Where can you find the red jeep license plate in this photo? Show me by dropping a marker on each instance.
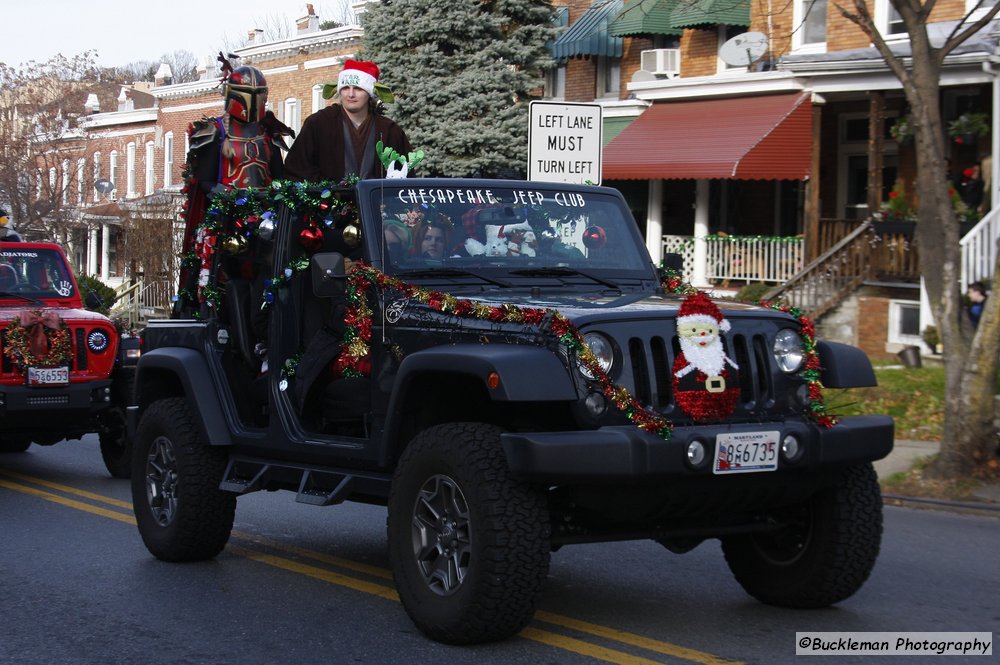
(48, 376)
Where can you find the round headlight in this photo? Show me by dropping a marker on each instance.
(97, 341)
(789, 351)
(601, 347)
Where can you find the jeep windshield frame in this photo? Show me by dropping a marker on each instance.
(35, 274)
(506, 231)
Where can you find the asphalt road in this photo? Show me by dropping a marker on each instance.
(300, 584)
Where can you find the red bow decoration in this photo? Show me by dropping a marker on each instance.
(38, 321)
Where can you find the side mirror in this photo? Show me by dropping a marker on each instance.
(328, 276)
(93, 301)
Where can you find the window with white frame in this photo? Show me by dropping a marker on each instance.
(904, 322)
(150, 170)
(97, 175)
(64, 184)
(293, 114)
(187, 145)
(168, 158)
(81, 167)
(113, 172)
(52, 182)
(609, 73)
(809, 21)
(317, 97)
(130, 170)
(888, 21)
(555, 82)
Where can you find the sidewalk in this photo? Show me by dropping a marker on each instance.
(905, 454)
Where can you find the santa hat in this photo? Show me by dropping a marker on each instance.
(359, 74)
(699, 308)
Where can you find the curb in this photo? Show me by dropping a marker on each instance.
(963, 507)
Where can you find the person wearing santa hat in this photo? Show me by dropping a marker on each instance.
(704, 387)
(339, 140)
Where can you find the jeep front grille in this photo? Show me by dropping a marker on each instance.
(80, 347)
(652, 360)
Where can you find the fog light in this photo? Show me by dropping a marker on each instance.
(596, 404)
(696, 454)
(132, 354)
(790, 448)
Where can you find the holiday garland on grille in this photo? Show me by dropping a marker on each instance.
(37, 338)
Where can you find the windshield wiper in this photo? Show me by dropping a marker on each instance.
(11, 294)
(450, 272)
(563, 272)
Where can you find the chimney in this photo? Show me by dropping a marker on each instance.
(203, 66)
(92, 105)
(309, 22)
(163, 75)
(255, 36)
(125, 102)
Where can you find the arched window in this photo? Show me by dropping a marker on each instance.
(168, 158)
(130, 170)
(150, 170)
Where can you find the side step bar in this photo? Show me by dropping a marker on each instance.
(317, 486)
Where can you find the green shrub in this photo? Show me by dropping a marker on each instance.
(107, 294)
(753, 292)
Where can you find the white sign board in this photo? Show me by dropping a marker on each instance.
(564, 142)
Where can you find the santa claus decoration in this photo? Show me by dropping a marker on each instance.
(706, 382)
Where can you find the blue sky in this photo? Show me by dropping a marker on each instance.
(124, 31)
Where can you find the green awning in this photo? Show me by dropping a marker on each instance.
(589, 35)
(645, 18)
(614, 126)
(693, 13)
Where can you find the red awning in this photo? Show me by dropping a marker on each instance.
(768, 137)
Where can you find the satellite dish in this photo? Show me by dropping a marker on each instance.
(642, 75)
(104, 186)
(742, 50)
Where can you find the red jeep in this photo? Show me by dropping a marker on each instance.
(65, 371)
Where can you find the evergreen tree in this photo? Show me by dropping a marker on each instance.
(463, 73)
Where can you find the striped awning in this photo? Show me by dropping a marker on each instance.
(589, 35)
(689, 14)
(767, 137)
(645, 18)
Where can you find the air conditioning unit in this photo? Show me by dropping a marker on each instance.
(662, 62)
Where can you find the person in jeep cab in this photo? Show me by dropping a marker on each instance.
(339, 140)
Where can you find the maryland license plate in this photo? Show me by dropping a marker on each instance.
(746, 452)
(48, 376)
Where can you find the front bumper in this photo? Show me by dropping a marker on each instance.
(626, 453)
(51, 409)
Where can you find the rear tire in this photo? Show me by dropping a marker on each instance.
(469, 544)
(181, 513)
(116, 449)
(14, 444)
(825, 553)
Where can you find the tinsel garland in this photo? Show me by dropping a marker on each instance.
(673, 283)
(354, 356)
(18, 347)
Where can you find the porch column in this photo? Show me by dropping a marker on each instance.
(105, 253)
(654, 221)
(699, 271)
(994, 183)
(876, 122)
(92, 252)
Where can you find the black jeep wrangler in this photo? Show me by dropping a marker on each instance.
(502, 366)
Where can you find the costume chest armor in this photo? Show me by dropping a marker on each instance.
(249, 166)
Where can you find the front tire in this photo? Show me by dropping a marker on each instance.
(823, 555)
(469, 544)
(181, 513)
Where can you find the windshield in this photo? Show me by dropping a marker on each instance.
(522, 229)
(34, 273)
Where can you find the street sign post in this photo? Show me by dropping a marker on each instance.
(564, 142)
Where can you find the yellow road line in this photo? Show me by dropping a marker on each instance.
(632, 639)
(72, 503)
(548, 638)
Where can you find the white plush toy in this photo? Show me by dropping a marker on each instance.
(504, 240)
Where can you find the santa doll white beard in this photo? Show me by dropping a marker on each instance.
(709, 359)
